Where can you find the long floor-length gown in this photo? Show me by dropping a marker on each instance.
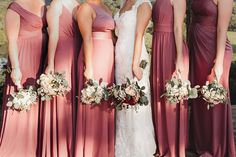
(170, 120)
(19, 132)
(95, 124)
(211, 131)
(134, 129)
(58, 115)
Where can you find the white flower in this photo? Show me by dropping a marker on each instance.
(130, 91)
(52, 85)
(23, 99)
(178, 89)
(93, 93)
(128, 94)
(214, 93)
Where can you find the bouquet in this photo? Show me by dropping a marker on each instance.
(214, 93)
(178, 89)
(51, 85)
(23, 99)
(94, 92)
(128, 94)
(3, 70)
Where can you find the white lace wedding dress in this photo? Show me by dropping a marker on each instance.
(134, 129)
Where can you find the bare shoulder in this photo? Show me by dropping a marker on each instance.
(85, 10)
(12, 15)
(55, 7)
(145, 7)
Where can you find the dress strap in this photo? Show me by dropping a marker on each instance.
(23, 12)
(16, 7)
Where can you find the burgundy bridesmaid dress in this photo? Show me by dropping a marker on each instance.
(19, 132)
(95, 124)
(58, 115)
(211, 131)
(170, 120)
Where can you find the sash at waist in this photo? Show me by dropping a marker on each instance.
(102, 35)
(163, 28)
(30, 34)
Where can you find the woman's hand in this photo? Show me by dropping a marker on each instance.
(49, 69)
(179, 66)
(88, 74)
(218, 70)
(138, 72)
(16, 77)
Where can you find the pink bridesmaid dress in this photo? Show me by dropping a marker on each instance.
(211, 131)
(58, 115)
(19, 132)
(95, 124)
(170, 120)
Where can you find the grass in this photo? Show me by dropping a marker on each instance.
(232, 38)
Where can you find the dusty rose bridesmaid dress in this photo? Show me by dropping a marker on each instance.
(95, 124)
(19, 132)
(170, 121)
(58, 115)
(211, 131)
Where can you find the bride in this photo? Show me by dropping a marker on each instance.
(134, 129)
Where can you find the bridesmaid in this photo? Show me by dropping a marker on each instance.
(26, 32)
(95, 124)
(64, 44)
(170, 54)
(211, 130)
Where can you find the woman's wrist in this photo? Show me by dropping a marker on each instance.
(135, 64)
(50, 63)
(89, 67)
(179, 57)
(219, 61)
(15, 68)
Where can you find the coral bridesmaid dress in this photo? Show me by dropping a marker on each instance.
(95, 124)
(211, 131)
(170, 120)
(19, 133)
(58, 115)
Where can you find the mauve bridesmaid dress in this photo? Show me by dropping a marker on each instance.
(58, 115)
(95, 124)
(211, 131)
(19, 133)
(170, 120)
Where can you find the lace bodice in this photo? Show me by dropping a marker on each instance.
(131, 135)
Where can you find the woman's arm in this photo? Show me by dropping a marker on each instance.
(85, 16)
(142, 22)
(179, 14)
(224, 15)
(12, 29)
(53, 14)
